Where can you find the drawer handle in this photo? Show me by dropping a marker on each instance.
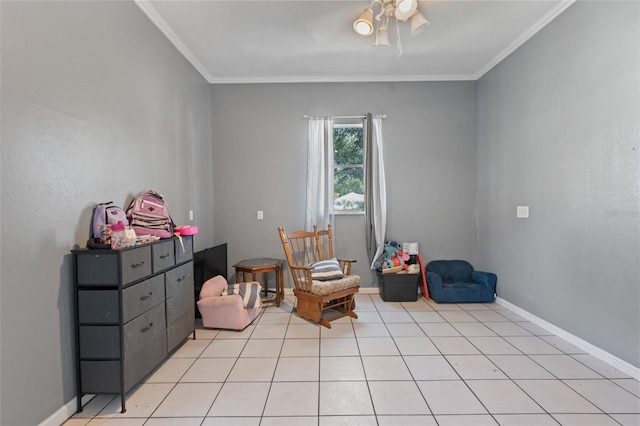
(146, 296)
(137, 265)
(182, 278)
(147, 328)
(164, 256)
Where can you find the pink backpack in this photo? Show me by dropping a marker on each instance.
(148, 215)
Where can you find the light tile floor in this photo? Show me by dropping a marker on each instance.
(416, 363)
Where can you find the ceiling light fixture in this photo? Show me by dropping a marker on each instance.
(364, 24)
(401, 10)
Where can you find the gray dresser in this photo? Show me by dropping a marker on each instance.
(133, 307)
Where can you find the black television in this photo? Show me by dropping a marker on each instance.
(207, 264)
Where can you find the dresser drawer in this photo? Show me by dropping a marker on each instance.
(163, 256)
(142, 330)
(97, 269)
(100, 376)
(184, 250)
(99, 342)
(136, 264)
(143, 362)
(178, 278)
(98, 307)
(180, 303)
(141, 297)
(181, 328)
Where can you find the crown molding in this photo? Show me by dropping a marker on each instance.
(164, 27)
(343, 79)
(524, 37)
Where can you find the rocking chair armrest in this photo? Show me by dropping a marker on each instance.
(308, 268)
(302, 269)
(301, 277)
(345, 264)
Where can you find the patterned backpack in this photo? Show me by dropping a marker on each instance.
(148, 215)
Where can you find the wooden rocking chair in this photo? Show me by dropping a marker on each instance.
(322, 282)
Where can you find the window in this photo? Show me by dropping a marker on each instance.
(348, 167)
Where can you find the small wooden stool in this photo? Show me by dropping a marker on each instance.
(263, 266)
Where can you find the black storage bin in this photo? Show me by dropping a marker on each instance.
(399, 287)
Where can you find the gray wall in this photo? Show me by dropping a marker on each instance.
(558, 131)
(430, 158)
(97, 105)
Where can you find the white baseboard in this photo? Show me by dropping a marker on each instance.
(597, 352)
(369, 290)
(65, 412)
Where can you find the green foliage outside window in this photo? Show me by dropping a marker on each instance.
(348, 158)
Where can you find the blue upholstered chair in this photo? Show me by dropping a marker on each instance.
(455, 281)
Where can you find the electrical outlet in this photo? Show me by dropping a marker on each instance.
(522, 212)
(260, 215)
(190, 214)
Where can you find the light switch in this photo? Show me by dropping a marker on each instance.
(522, 212)
(190, 214)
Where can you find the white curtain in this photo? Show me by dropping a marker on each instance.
(319, 173)
(375, 188)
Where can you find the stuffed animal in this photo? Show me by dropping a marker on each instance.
(392, 257)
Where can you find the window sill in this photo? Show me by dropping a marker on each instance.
(348, 212)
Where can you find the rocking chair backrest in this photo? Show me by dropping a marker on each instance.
(300, 250)
(301, 247)
(324, 242)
